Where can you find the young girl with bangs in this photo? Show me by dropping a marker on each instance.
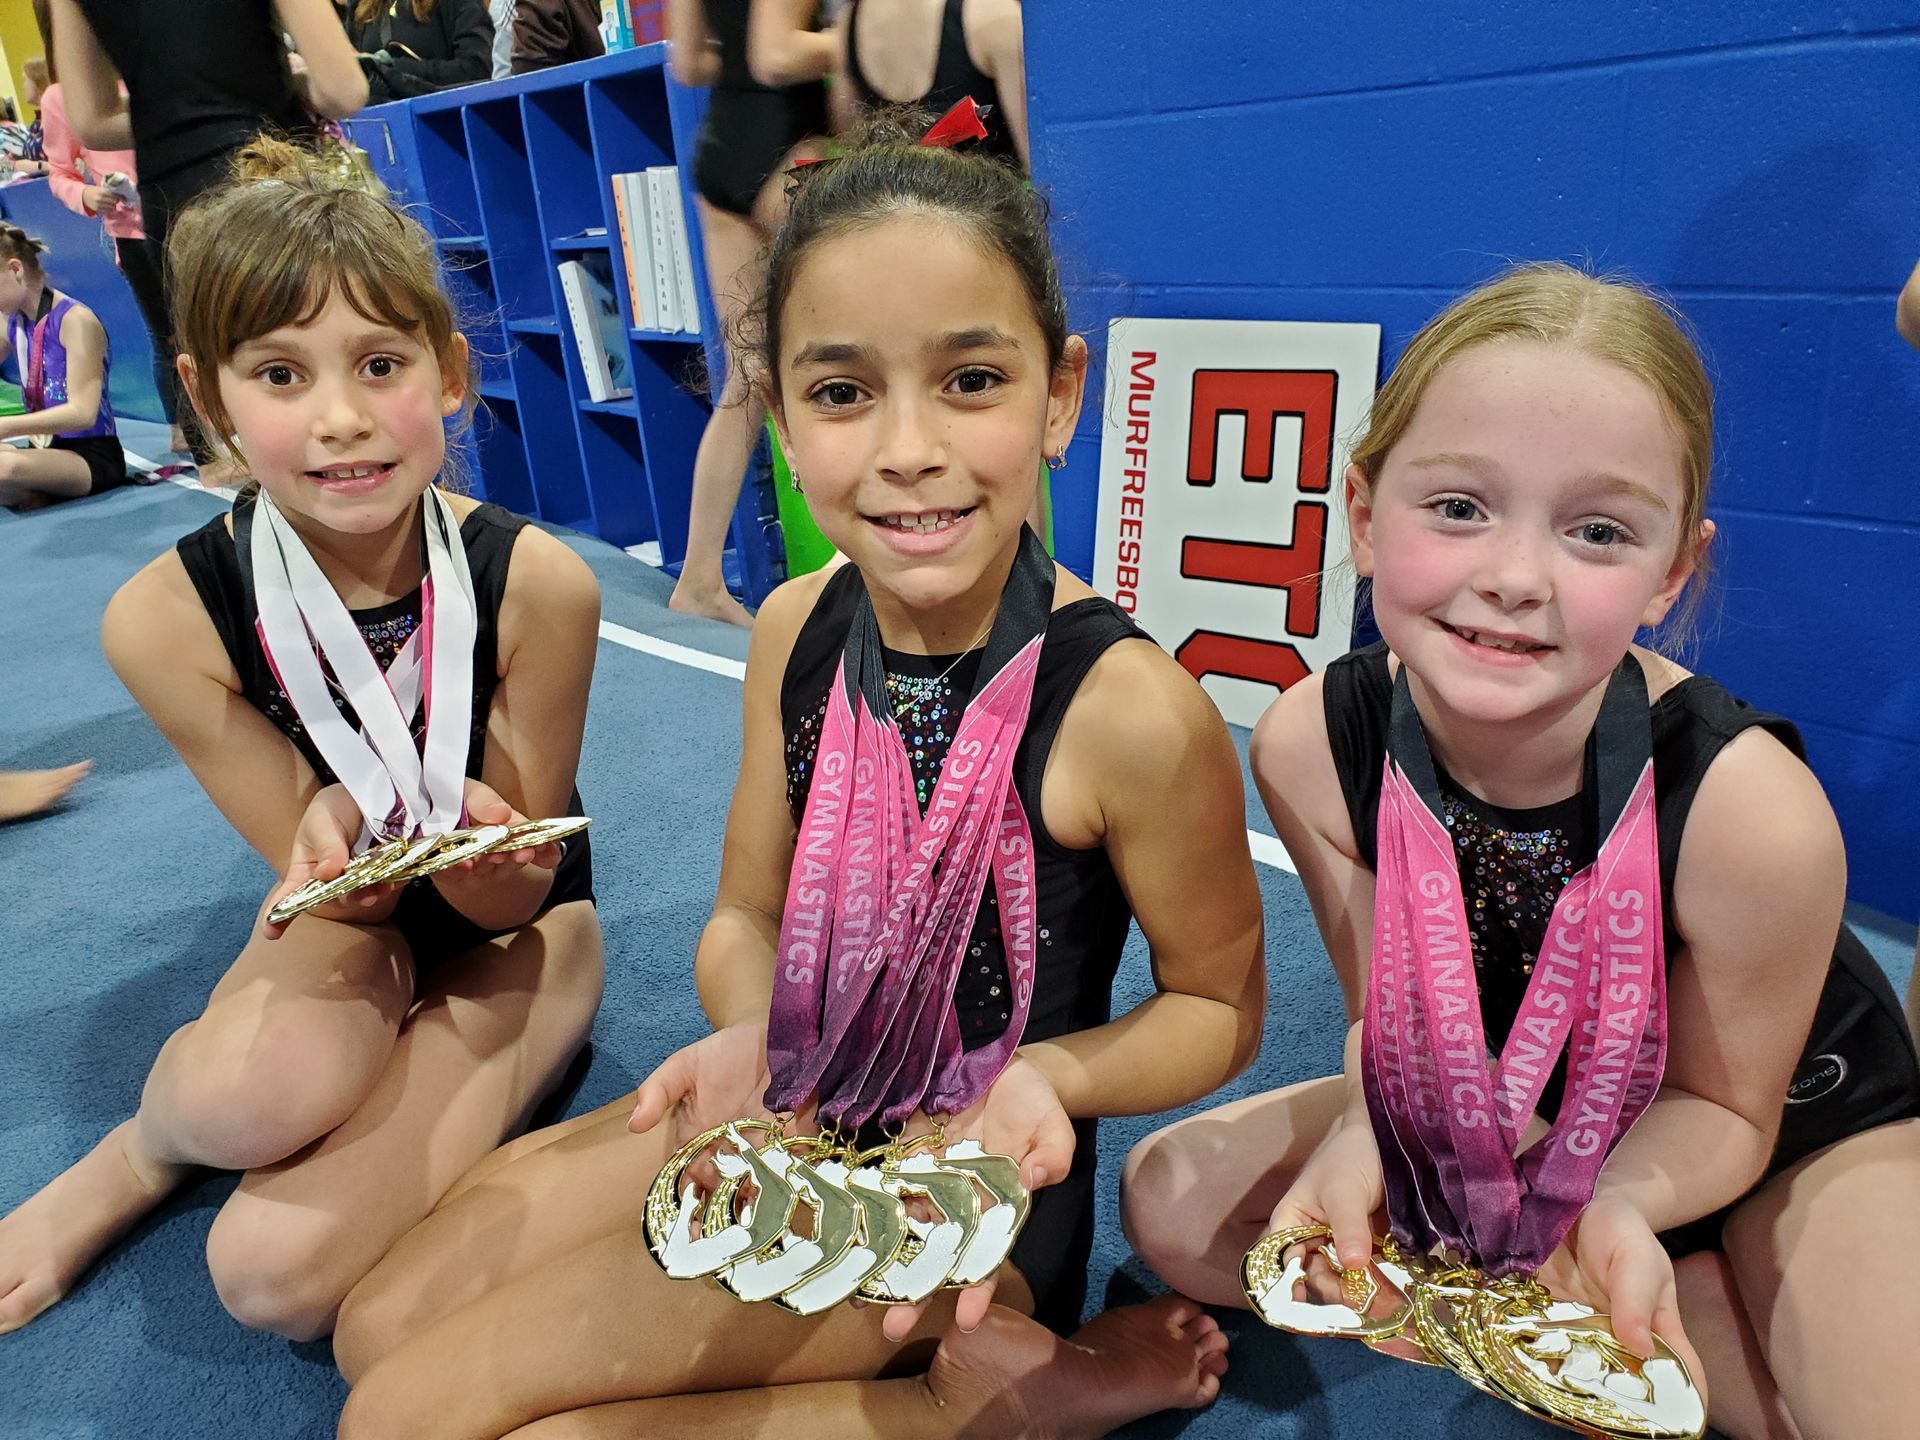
(915, 353)
(355, 1060)
(1528, 498)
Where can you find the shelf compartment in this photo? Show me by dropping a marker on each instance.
(502, 474)
(554, 455)
(561, 151)
(611, 447)
(444, 165)
(671, 337)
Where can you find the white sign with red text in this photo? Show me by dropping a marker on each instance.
(1223, 524)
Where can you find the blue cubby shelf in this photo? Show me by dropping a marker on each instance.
(671, 337)
(506, 176)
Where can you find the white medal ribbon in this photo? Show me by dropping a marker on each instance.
(400, 792)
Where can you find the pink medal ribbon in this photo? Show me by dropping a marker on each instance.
(1448, 1121)
(881, 899)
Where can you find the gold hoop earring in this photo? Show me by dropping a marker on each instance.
(1057, 462)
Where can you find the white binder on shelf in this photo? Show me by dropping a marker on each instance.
(630, 204)
(663, 198)
(597, 327)
(682, 258)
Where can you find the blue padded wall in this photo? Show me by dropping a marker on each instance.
(1760, 162)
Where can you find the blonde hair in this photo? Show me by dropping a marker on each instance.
(269, 248)
(1613, 320)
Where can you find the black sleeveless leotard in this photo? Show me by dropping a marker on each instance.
(1083, 913)
(220, 567)
(955, 77)
(1857, 1069)
(749, 127)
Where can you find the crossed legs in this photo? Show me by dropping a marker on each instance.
(528, 1304)
(1798, 1319)
(351, 1105)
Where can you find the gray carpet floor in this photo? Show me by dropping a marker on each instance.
(122, 909)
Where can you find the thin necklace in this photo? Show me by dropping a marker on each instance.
(926, 686)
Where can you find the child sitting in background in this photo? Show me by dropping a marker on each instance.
(61, 351)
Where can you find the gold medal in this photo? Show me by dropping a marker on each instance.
(456, 846)
(858, 1239)
(671, 1210)
(367, 868)
(1564, 1364)
(1269, 1279)
(531, 833)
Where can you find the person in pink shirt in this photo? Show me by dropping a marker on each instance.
(76, 175)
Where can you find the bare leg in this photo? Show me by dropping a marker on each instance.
(33, 477)
(1825, 1265)
(490, 1034)
(1195, 1196)
(292, 1039)
(28, 792)
(1746, 1404)
(563, 1188)
(736, 259)
(560, 1322)
(1009, 1377)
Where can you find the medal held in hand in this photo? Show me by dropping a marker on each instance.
(880, 903)
(1473, 1220)
(411, 793)
(396, 862)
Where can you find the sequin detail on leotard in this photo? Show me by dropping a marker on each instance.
(386, 629)
(1510, 880)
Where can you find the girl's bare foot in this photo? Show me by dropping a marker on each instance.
(28, 792)
(49, 1242)
(1012, 1376)
(715, 603)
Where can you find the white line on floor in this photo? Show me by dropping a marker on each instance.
(1267, 849)
(667, 650)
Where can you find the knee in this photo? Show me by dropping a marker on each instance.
(1156, 1213)
(270, 1279)
(239, 1103)
(370, 1327)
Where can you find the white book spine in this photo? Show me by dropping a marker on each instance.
(586, 334)
(630, 203)
(683, 259)
(663, 190)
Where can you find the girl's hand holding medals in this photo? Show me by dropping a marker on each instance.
(1589, 1343)
(1021, 1118)
(465, 864)
(322, 850)
(1612, 1262)
(776, 1208)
